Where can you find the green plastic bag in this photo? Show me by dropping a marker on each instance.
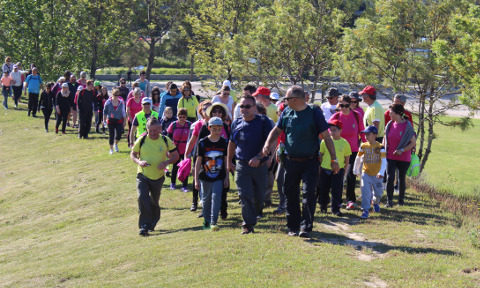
(414, 168)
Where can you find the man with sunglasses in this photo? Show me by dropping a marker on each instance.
(329, 107)
(247, 137)
(302, 125)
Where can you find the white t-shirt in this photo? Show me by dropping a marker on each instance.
(328, 110)
(229, 104)
(17, 76)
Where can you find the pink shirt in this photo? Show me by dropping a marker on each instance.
(361, 112)
(394, 136)
(134, 107)
(180, 136)
(6, 81)
(351, 128)
(198, 127)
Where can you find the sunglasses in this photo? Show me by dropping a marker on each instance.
(354, 101)
(331, 97)
(186, 89)
(344, 105)
(288, 98)
(217, 111)
(156, 93)
(123, 82)
(116, 94)
(245, 106)
(146, 103)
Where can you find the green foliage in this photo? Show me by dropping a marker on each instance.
(162, 62)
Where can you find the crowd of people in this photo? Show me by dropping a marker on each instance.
(258, 136)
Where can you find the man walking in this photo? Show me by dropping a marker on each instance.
(86, 102)
(248, 135)
(302, 125)
(374, 115)
(33, 84)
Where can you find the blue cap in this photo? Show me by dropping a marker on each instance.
(370, 128)
(215, 121)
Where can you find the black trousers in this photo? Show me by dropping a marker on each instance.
(85, 123)
(62, 118)
(174, 172)
(17, 92)
(402, 167)
(351, 179)
(100, 122)
(32, 103)
(46, 114)
(115, 132)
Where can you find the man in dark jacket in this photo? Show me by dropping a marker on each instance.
(86, 105)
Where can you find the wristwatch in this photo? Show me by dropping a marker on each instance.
(402, 150)
(258, 157)
(334, 160)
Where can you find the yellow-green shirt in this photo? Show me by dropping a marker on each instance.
(342, 150)
(154, 152)
(190, 104)
(374, 113)
(272, 112)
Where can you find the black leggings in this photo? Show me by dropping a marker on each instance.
(100, 122)
(32, 103)
(46, 113)
(17, 92)
(402, 167)
(351, 179)
(62, 117)
(114, 131)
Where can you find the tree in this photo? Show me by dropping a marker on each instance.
(153, 19)
(462, 53)
(391, 48)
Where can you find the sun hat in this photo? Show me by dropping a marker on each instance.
(209, 109)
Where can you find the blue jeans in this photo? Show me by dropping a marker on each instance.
(148, 197)
(251, 185)
(212, 199)
(330, 182)
(369, 184)
(6, 93)
(294, 173)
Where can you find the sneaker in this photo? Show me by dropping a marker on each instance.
(292, 233)
(206, 225)
(200, 215)
(364, 215)
(304, 234)
(260, 216)
(63, 132)
(185, 190)
(116, 148)
(56, 130)
(338, 213)
(172, 186)
(351, 205)
(215, 227)
(111, 151)
(247, 229)
(389, 205)
(194, 207)
(143, 232)
(376, 208)
(223, 216)
(46, 130)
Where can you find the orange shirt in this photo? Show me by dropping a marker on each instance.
(6, 81)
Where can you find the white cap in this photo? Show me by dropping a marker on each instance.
(227, 83)
(274, 96)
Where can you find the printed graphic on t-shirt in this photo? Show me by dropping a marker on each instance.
(213, 163)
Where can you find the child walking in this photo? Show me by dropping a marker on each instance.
(167, 119)
(178, 131)
(210, 172)
(373, 169)
(328, 180)
(7, 82)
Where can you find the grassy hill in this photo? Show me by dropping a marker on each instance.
(68, 218)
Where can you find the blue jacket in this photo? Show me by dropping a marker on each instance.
(168, 100)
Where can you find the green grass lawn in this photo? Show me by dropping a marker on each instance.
(68, 218)
(452, 165)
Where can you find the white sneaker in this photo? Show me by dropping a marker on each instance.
(111, 151)
(116, 147)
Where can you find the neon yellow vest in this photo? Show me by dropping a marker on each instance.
(142, 121)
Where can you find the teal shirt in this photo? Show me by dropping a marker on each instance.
(302, 129)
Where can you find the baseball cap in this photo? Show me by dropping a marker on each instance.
(97, 83)
(80, 88)
(274, 96)
(370, 128)
(262, 91)
(65, 85)
(369, 90)
(227, 83)
(146, 100)
(333, 92)
(15, 66)
(336, 122)
(215, 121)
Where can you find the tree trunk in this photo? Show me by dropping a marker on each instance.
(93, 66)
(421, 123)
(151, 55)
(431, 135)
(192, 63)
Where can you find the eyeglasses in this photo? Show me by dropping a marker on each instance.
(344, 105)
(245, 106)
(146, 103)
(226, 94)
(186, 89)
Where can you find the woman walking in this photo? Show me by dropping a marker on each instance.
(115, 117)
(102, 97)
(399, 141)
(62, 105)
(188, 102)
(47, 100)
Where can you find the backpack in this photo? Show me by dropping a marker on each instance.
(414, 168)
(355, 113)
(144, 135)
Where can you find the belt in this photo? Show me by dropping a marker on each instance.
(302, 159)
